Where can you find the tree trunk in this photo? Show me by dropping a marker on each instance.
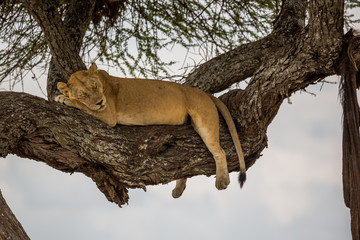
(350, 81)
(62, 37)
(293, 56)
(10, 228)
(76, 22)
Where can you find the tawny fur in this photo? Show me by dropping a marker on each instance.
(152, 102)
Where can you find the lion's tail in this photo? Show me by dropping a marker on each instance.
(231, 125)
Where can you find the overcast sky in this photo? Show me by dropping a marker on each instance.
(294, 191)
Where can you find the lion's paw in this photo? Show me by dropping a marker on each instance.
(179, 189)
(63, 99)
(176, 193)
(222, 181)
(60, 98)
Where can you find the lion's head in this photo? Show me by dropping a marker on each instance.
(85, 87)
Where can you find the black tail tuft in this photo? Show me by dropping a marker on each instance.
(242, 178)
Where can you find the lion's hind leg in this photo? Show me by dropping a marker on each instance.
(207, 126)
(179, 188)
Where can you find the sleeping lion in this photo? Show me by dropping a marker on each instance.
(147, 102)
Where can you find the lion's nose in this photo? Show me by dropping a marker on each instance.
(100, 103)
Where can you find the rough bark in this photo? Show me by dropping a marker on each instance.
(10, 228)
(60, 38)
(350, 81)
(293, 56)
(76, 22)
(54, 76)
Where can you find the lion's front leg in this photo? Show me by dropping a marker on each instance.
(69, 102)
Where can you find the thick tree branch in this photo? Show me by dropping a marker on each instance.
(242, 62)
(115, 158)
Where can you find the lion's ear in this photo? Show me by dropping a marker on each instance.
(93, 68)
(63, 88)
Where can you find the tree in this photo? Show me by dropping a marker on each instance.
(306, 44)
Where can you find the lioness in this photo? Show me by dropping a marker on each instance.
(147, 102)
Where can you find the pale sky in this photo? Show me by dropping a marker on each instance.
(294, 191)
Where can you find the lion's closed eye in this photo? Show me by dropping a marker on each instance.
(80, 93)
(84, 95)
